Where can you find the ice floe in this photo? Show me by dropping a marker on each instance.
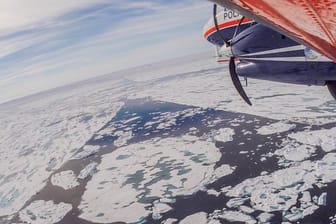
(236, 202)
(200, 218)
(224, 135)
(275, 128)
(41, 212)
(222, 171)
(88, 170)
(280, 190)
(86, 151)
(65, 179)
(265, 217)
(326, 139)
(159, 208)
(322, 200)
(235, 216)
(293, 151)
(123, 137)
(332, 219)
(157, 168)
(167, 120)
(169, 221)
(246, 209)
(213, 192)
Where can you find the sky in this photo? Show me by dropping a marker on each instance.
(47, 43)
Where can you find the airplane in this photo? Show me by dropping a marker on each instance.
(289, 41)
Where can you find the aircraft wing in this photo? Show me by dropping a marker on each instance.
(309, 22)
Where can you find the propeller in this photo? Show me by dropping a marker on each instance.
(236, 82)
(226, 42)
(232, 66)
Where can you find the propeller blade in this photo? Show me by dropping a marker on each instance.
(216, 25)
(237, 27)
(332, 88)
(236, 81)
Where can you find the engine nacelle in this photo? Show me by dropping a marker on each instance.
(227, 21)
(266, 54)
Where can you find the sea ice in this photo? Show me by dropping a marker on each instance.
(38, 134)
(326, 139)
(213, 192)
(224, 135)
(87, 171)
(265, 199)
(279, 191)
(199, 218)
(222, 171)
(322, 200)
(246, 209)
(265, 217)
(299, 153)
(274, 128)
(236, 202)
(158, 209)
(123, 137)
(234, 216)
(293, 215)
(169, 221)
(156, 168)
(86, 151)
(42, 212)
(65, 179)
(293, 151)
(211, 89)
(332, 219)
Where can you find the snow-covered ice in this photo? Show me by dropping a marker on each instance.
(86, 151)
(42, 212)
(154, 168)
(294, 151)
(169, 221)
(123, 137)
(246, 209)
(159, 208)
(65, 179)
(39, 134)
(224, 135)
(200, 218)
(236, 202)
(234, 216)
(279, 190)
(326, 139)
(213, 192)
(222, 171)
(322, 200)
(275, 128)
(265, 217)
(88, 170)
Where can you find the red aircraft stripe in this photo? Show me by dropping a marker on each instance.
(225, 25)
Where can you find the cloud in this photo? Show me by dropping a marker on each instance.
(23, 13)
(69, 41)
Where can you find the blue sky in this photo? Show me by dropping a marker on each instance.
(47, 43)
